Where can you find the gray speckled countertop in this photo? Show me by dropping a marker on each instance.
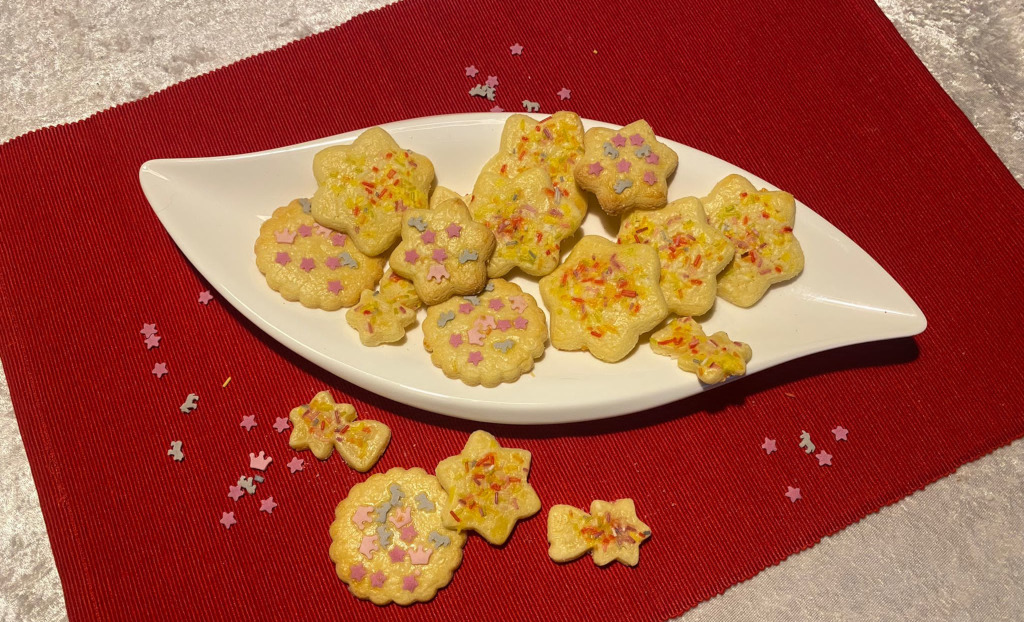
(954, 551)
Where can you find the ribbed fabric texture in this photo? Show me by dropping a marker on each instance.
(824, 100)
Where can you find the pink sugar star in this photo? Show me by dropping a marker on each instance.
(769, 445)
(357, 572)
(248, 422)
(235, 492)
(466, 308)
(332, 262)
(619, 140)
(520, 322)
(148, 330)
(475, 357)
(453, 230)
(428, 237)
(307, 264)
(409, 582)
(437, 272)
(160, 370)
(455, 340)
(396, 554)
(636, 140)
(840, 433)
(652, 159)
(793, 494)
(491, 81)
(516, 49)
(824, 458)
(267, 505)
(504, 325)
(338, 239)
(227, 519)
(295, 464)
(471, 71)
(564, 94)
(377, 579)
(334, 287)
(284, 237)
(205, 297)
(650, 178)
(321, 230)
(305, 231)
(152, 341)
(283, 258)
(595, 168)
(411, 256)
(497, 109)
(496, 304)
(408, 533)
(623, 166)
(281, 424)
(440, 254)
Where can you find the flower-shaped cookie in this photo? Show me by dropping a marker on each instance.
(384, 316)
(323, 426)
(713, 358)
(555, 144)
(760, 225)
(611, 532)
(626, 168)
(388, 542)
(521, 213)
(603, 297)
(487, 488)
(691, 251)
(443, 252)
(312, 264)
(486, 339)
(365, 188)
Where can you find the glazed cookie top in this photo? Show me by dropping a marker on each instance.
(388, 541)
(365, 188)
(626, 168)
(603, 297)
(760, 226)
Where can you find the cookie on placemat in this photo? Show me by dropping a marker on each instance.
(322, 426)
(443, 252)
(603, 297)
(610, 532)
(384, 316)
(713, 358)
(312, 264)
(388, 542)
(486, 339)
(691, 251)
(527, 225)
(487, 488)
(760, 226)
(626, 168)
(364, 189)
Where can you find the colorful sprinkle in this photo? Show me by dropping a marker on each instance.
(610, 151)
(409, 583)
(267, 505)
(307, 207)
(650, 178)
(623, 166)
(471, 71)
(467, 255)
(504, 346)
(496, 304)
(437, 272)
(148, 330)
(348, 261)
(296, 464)
(475, 357)
(248, 422)
(159, 370)
(643, 152)
(455, 340)
(305, 231)
(357, 572)
(520, 322)
(152, 341)
(428, 237)
(284, 237)
(636, 140)
(595, 168)
(564, 94)
(453, 230)
(491, 81)
(377, 579)
(411, 256)
(307, 264)
(227, 519)
(283, 258)
(769, 445)
(516, 49)
(338, 239)
(840, 433)
(444, 318)
(175, 451)
(334, 287)
(621, 185)
(619, 140)
(793, 494)
(652, 159)
(438, 540)
(440, 254)
(418, 223)
(466, 308)
(824, 458)
(397, 555)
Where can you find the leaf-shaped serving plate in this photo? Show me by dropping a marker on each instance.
(213, 208)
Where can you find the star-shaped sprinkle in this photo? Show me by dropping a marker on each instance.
(453, 230)
(455, 340)
(650, 178)
(840, 433)
(148, 329)
(516, 49)
(491, 81)
(564, 94)
(793, 494)
(497, 109)
(338, 239)
(227, 519)
(439, 254)
(428, 237)
(368, 546)
(236, 493)
(636, 140)
(520, 322)
(205, 297)
(623, 166)
(409, 583)
(408, 533)
(475, 357)
(397, 555)
(496, 304)
(281, 424)
(267, 505)
(471, 71)
(295, 464)
(248, 422)
(307, 264)
(305, 231)
(824, 458)
(619, 140)
(152, 341)
(377, 579)
(411, 256)
(160, 370)
(769, 445)
(334, 287)
(357, 572)
(595, 168)
(282, 258)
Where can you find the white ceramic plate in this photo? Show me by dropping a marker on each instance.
(213, 208)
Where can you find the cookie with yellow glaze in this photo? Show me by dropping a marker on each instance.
(384, 316)
(691, 251)
(388, 542)
(713, 358)
(486, 339)
(309, 263)
(610, 532)
(486, 488)
(323, 426)
(443, 251)
(759, 223)
(603, 297)
(626, 168)
(364, 189)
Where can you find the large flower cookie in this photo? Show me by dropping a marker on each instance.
(486, 339)
(527, 225)
(322, 426)
(626, 168)
(760, 225)
(312, 264)
(610, 532)
(691, 251)
(388, 540)
(487, 488)
(443, 252)
(384, 316)
(365, 188)
(713, 358)
(603, 297)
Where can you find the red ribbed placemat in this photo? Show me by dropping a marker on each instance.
(824, 100)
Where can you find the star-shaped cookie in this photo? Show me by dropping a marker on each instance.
(713, 358)
(760, 226)
(626, 168)
(610, 532)
(323, 426)
(487, 488)
(364, 189)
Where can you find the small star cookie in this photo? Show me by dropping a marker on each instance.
(384, 316)
(487, 488)
(364, 189)
(316, 266)
(388, 542)
(611, 532)
(323, 426)
(760, 225)
(603, 297)
(713, 358)
(626, 168)
(486, 339)
(443, 252)
(691, 251)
